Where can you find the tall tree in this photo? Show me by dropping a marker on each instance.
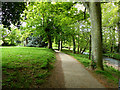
(96, 33)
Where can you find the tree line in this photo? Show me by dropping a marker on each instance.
(95, 27)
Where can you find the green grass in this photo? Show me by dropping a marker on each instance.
(109, 73)
(25, 67)
(113, 55)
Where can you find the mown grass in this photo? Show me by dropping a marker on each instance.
(25, 67)
(110, 74)
(113, 55)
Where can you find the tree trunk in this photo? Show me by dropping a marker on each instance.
(78, 45)
(80, 49)
(85, 48)
(74, 46)
(58, 45)
(96, 33)
(61, 45)
(90, 48)
(49, 42)
(26, 41)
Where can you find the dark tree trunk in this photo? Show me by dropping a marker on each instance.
(58, 45)
(26, 41)
(90, 48)
(96, 33)
(74, 46)
(85, 48)
(80, 49)
(78, 45)
(49, 41)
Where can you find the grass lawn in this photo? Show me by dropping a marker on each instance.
(26, 67)
(110, 75)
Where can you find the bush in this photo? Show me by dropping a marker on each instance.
(36, 42)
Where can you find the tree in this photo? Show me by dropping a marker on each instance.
(110, 21)
(96, 33)
(11, 12)
(43, 17)
(10, 37)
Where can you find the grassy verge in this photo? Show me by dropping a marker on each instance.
(109, 75)
(25, 67)
(113, 55)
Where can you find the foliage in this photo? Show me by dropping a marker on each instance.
(109, 22)
(109, 14)
(35, 42)
(25, 65)
(11, 12)
(10, 38)
(110, 74)
(60, 17)
(113, 55)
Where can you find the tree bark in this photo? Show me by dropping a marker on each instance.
(78, 45)
(79, 37)
(90, 48)
(61, 41)
(49, 41)
(58, 45)
(74, 46)
(85, 48)
(96, 33)
(26, 41)
(61, 45)
(81, 49)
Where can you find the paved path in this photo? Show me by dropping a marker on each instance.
(75, 76)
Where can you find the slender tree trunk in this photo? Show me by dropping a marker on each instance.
(114, 41)
(26, 41)
(49, 41)
(90, 48)
(79, 33)
(58, 45)
(61, 45)
(96, 34)
(74, 46)
(61, 41)
(85, 48)
(80, 49)
(78, 45)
